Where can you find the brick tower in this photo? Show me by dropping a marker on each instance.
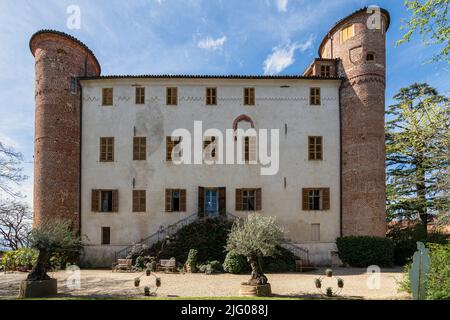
(359, 43)
(59, 59)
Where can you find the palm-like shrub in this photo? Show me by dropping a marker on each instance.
(255, 237)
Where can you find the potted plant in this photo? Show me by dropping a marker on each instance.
(340, 283)
(158, 282)
(137, 281)
(49, 238)
(255, 237)
(148, 272)
(329, 292)
(146, 291)
(318, 283)
(329, 273)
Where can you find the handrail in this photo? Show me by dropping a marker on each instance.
(158, 235)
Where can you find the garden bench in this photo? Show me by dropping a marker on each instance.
(167, 265)
(122, 264)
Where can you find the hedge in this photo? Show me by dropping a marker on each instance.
(363, 251)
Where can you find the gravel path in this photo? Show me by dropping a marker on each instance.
(105, 284)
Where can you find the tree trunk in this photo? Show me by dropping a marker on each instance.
(258, 277)
(421, 192)
(39, 271)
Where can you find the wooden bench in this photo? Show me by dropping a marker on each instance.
(122, 264)
(167, 265)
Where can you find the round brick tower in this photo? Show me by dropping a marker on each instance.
(359, 43)
(59, 59)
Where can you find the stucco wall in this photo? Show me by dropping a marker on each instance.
(275, 107)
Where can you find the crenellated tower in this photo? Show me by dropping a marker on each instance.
(60, 58)
(358, 43)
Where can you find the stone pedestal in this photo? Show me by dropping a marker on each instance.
(38, 289)
(255, 290)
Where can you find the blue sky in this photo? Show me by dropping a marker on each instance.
(188, 37)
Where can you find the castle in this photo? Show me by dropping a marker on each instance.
(103, 144)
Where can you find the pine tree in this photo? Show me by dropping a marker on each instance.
(417, 151)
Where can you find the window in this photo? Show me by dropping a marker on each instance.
(139, 201)
(170, 145)
(140, 95)
(249, 149)
(105, 201)
(347, 33)
(314, 96)
(175, 200)
(211, 155)
(211, 96)
(172, 96)
(106, 149)
(248, 200)
(107, 96)
(315, 232)
(315, 148)
(139, 148)
(316, 199)
(370, 57)
(249, 96)
(325, 71)
(106, 235)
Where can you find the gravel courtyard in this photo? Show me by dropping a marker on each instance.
(105, 284)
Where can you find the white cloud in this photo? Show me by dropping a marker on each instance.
(212, 44)
(282, 5)
(283, 56)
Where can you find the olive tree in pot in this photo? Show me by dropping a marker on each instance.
(50, 237)
(255, 237)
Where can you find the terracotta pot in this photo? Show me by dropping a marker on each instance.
(248, 290)
(38, 289)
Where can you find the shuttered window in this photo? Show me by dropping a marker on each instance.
(206, 143)
(171, 142)
(325, 71)
(347, 33)
(140, 95)
(105, 201)
(314, 96)
(139, 148)
(249, 96)
(106, 235)
(250, 150)
(248, 200)
(315, 148)
(139, 200)
(172, 96)
(175, 200)
(211, 96)
(107, 149)
(316, 199)
(107, 96)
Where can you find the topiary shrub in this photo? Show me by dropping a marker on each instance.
(210, 267)
(235, 263)
(363, 251)
(191, 262)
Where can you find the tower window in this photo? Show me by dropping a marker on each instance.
(249, 96)
(140, 95)
(347, 33)
(107, 96)
(370, 57)
(211, 96)
(314, 96)
(172, 96)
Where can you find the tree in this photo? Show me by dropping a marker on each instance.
(15, 224)
(430, 19)
(417, 151)
(49, 238)
(254, 238)
(10, 169)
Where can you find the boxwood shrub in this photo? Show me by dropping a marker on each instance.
(363, 251)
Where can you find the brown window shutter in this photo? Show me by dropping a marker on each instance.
(183, 200)
(95, 201)
(169, 147)
(168, 200)
(111, 156)
(258, 199)
(326, 199)
(305, 200)
(201, 199)
(239, 200)
(115, 200)
(143, 200)
(222, 200)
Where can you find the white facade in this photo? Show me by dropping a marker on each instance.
(280, 104)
